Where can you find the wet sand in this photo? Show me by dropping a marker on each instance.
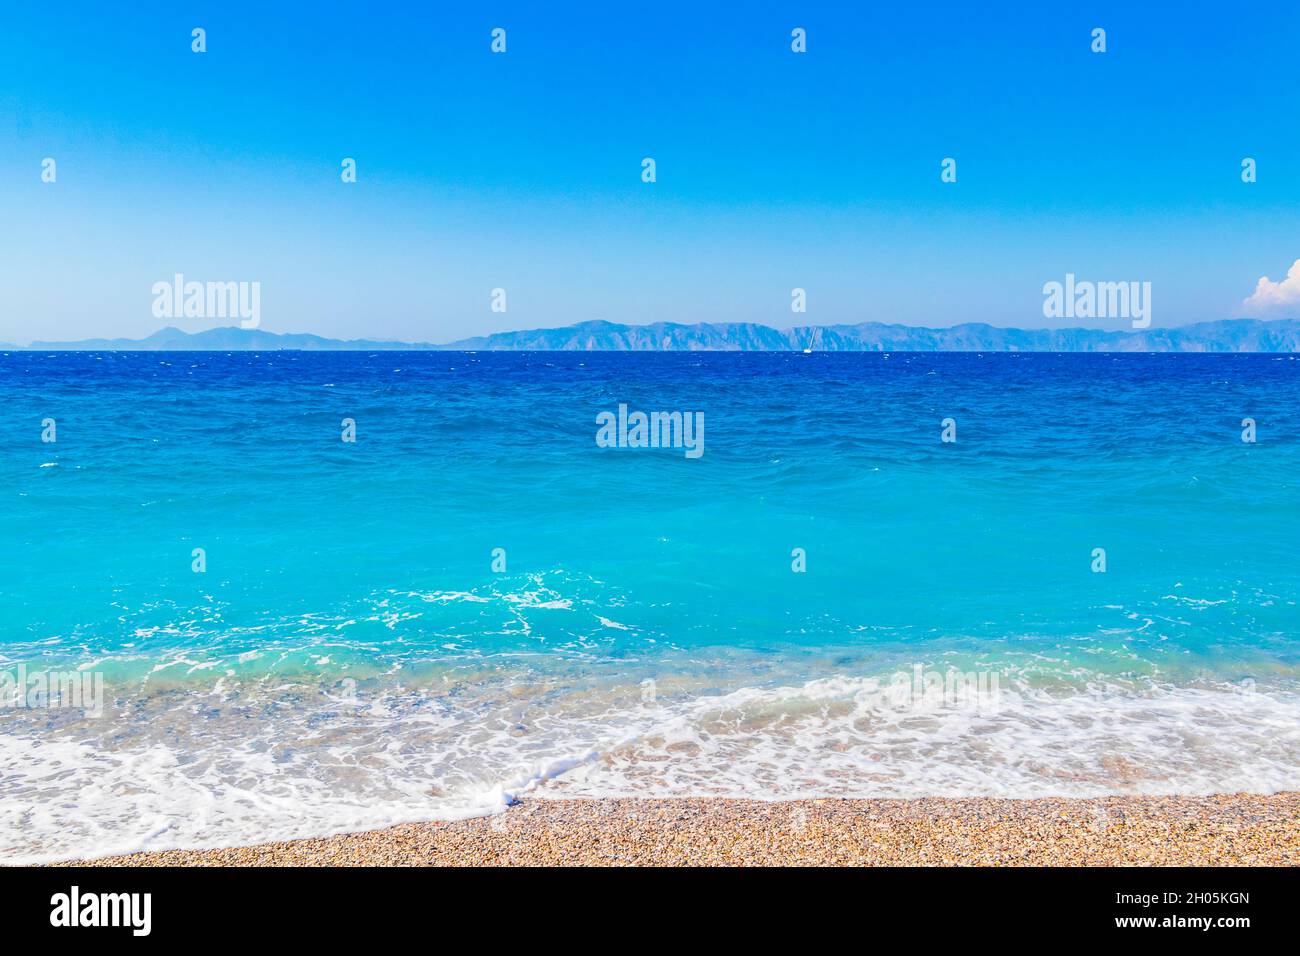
(1232, 829)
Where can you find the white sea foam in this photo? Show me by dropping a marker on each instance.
(179, 771)
(833, 738)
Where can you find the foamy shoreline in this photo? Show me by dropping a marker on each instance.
(1220, 830)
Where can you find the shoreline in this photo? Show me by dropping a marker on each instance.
(1220, 830)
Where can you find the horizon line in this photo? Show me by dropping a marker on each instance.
(1236, 335)
(259, 330)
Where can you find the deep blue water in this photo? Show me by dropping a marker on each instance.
(350, 657)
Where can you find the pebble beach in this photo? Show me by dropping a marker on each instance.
(1221, 830)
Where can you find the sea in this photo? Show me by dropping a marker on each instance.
(255, 596)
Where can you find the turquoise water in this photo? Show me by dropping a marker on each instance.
(349, 657)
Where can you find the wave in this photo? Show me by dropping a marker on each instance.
(182, 769)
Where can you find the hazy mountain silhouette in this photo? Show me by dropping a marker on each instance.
(1225, 335)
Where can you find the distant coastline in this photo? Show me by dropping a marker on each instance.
(1224, 335)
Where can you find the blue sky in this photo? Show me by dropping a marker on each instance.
(523, 170)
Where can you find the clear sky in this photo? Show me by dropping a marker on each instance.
(522, 170)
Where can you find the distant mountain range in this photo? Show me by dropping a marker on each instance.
(225, 339)
(1225, 335)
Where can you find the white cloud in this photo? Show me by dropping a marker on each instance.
(1271, 297)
